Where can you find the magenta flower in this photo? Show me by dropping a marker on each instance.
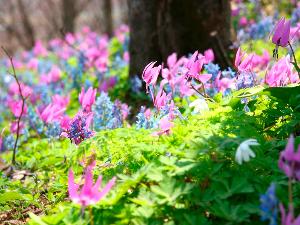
(14, 127)
(209, 56)
(150, 74)
(282, 33)
(87, 99)
(61, 100)
(16, 107)
(51, 113)
(165, 126)
(89, 193)
(161, 99)
(288, 219)
(281, 73)
(39, 49)
(194, 67)
(242, 62)
(289, 161)
(108, 84)
(14, 89)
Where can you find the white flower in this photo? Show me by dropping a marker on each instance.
(199, 106)
(243, 152)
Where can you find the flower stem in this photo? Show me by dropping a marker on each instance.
(91, 215)
(290, 186)
(295, 60)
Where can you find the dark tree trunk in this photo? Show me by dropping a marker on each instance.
(107, 20)
(69, 14)
(27, 25)
(161, 27)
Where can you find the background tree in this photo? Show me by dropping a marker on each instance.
(161, 27)
(107, 19)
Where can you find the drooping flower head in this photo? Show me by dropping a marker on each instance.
(150, 74)
(281, 36)
(282, 33)
(244, 152)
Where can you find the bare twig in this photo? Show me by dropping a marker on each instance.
(23, 98)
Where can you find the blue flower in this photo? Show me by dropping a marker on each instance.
(136, 84)
(107, 115)
(245, 80)
(229, 73)
(143, 122)
(212, 69)
(9, 142)
(53, 130)
(34, 121)
(295, 16)
(269, 205)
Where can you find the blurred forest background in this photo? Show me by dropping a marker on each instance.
(24, 21)
(157, 27)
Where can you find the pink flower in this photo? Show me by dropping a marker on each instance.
(65, 122)
(61, 100)
(125, 110)
(224, 83)
(161, 99)
(126, 56)
(89, 193)
(33, 64)
(14, 127)
(54, 74)
(108, 84)
(148, 114)
(14, 89)
(165, 127)
(16, 108)
(150, 74)
(70, 38)
(289, 160)
(39, 50)
(243, 21)
(282, 33)
(87, 99)
(242, 62)
(288, 219)
(194, 67)
(281, 73)
(51, 113)
(209, 56)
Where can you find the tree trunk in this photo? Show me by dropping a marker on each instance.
(69, 14)
(107, 20)
(161, 27)
(27, 25)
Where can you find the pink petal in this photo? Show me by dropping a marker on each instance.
(72, 186)
(278, 31)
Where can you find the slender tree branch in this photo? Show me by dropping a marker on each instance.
(23, 98)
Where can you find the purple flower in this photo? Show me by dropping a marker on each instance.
(289, 161)
(282, 33)
(78, 128)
